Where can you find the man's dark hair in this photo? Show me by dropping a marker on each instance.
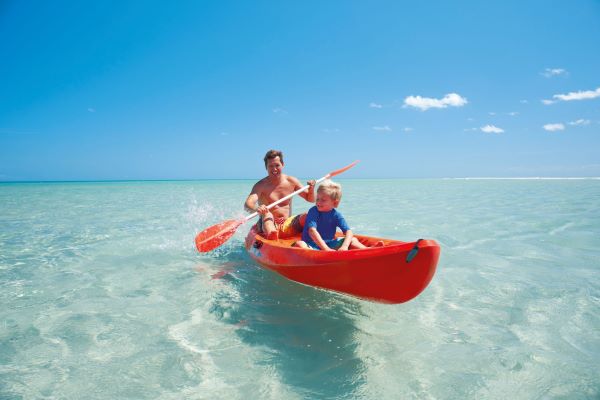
(271, 154)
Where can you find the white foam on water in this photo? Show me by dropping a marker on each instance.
(561, 228)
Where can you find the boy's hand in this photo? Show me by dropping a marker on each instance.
(312, 184)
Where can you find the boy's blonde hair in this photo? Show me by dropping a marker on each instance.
(331, 189)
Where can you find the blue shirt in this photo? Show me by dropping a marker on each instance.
(325, 222)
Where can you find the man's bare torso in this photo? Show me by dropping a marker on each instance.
(269, 192)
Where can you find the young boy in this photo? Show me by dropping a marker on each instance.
(323, 219)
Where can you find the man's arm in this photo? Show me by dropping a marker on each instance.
(309, 194)
(251, 203)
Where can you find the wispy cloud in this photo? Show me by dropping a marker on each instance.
(554, 127)
(375, 105)
(580, 95)
(513, 113)
(408, 129)
(92, 110)
(384, 128)
(224, 134)
(524, 101)
(552, 72)
(491, 129)
(278, 110)
(330, 130)
(580, 122)
(425, 103)
(492, 113)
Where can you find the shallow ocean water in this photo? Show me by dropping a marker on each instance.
(104, 296)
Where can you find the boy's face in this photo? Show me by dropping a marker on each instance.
(325, 203)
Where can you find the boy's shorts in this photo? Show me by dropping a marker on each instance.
(286, 227)
(332, 244)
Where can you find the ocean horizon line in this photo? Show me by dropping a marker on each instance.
(254, 179)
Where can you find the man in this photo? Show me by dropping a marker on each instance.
(277, 222)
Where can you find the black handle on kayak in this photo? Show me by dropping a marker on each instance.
(413, 252)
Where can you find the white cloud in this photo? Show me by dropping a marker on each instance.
(471, 129)
(513, 113)
(551, 72)
(580, 122)
(554, 127)
(375, 105)
(92, 110)
(330, 130)
(408, 129)
(492, 113)
(491, 129)
(581, 95)
(279, 111)
(524, 101)
(425, 103)
(384, 128)
(224, 134)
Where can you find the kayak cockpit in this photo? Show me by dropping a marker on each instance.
(366, 240)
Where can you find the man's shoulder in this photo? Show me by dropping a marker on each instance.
(292, 180)
(261, 183)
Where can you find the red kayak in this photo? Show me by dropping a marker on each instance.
(393, 273)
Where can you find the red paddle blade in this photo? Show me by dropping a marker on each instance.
(339, 171)
(211, 238)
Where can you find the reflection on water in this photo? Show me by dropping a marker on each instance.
(309, 335)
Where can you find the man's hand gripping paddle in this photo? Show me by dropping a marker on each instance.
(211, 238)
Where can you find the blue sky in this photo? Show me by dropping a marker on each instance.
(199, 89)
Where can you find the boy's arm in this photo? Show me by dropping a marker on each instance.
(347, 240)
(343, 225)
(316, 237)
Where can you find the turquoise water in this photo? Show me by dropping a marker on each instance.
(104, 296)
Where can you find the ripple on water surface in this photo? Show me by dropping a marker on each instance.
(104, 295)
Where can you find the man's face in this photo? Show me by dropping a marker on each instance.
(274, 166)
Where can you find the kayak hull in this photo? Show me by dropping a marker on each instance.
(380, 274)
